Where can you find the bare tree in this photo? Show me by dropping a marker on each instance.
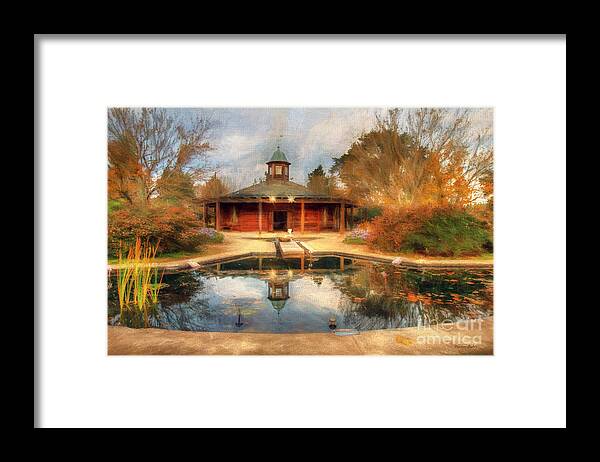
(454, 136)
(160, 145)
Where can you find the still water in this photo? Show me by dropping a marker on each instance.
(274, 295)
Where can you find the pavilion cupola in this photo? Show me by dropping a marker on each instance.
(279, 167)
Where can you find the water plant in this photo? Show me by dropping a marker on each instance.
(138, 281)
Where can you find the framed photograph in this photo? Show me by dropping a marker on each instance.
(368, 231)
(300, 231)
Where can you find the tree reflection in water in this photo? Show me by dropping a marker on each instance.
(175, 310)
(180, 288)
(380, 312)
(385, 297)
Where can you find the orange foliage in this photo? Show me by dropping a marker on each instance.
(176, 227)
(445, 183)
(388, 231)
(428, 157)
(125, 173)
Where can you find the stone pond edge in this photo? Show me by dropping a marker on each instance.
(407, 262)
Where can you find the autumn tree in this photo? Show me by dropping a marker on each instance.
(215, 187)
(319, 182)
(419, 156)
(176, 186)
(155, 160)
(148, 146)
(123, 173)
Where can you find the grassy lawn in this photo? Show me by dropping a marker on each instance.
(210, 249)
(167, 256)
(354, 240)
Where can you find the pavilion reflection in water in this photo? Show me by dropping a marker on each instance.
(277, 278)
(278, 291)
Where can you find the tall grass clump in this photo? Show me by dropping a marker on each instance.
(138, 280)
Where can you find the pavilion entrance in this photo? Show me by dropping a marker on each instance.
(280, 220)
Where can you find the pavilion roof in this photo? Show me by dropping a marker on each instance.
(275, 188)
(278, 304)
(278, 156)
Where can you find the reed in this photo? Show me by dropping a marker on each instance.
(156, 285)
(124, 273)
(138, 282)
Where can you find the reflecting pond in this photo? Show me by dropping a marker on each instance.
(275, 295)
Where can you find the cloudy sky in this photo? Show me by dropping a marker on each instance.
(245, 138)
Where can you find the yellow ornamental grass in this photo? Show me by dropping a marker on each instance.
(138, 281)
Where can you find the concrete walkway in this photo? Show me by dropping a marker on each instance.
(475, 338)
(240, 245)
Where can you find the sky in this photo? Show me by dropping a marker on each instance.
(245, 138)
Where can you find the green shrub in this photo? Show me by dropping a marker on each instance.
(218, 238)
(488, 246)
(366, 214)
(211, 235)
(114, 205)
(449, 234)
(388, 231)
(436, 231)
(357, 236)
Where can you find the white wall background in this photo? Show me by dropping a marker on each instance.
(523, 384)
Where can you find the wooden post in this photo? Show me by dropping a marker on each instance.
(302, 215)
(204, 214)
(342, 263)
(259, 216)
(259, 263)
(351, 217)
(218, 216)
(342, 217)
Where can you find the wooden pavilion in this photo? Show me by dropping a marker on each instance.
(278, 204)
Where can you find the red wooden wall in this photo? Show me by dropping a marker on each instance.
(247, 216)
